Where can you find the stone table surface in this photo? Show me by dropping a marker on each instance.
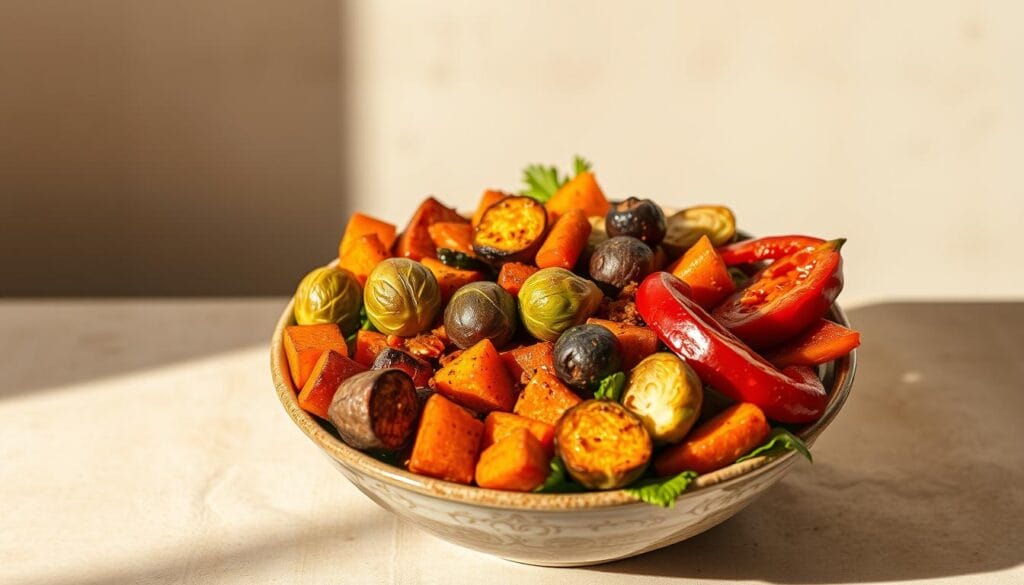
(141, 442)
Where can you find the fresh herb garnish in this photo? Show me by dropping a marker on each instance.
(611, 387)
(779, 441)
(543, 181)
(662, 492)
(364, 320)
(558, 480)
(581, 165)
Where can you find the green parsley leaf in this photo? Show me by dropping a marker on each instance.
(541, 182)
(662, 492)
(581, 164)
(364, 320)
(779, 441)
(558, 480)
(611, 387)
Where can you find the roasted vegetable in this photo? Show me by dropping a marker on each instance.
(481, 310)
(477, 379)
(376, 409)
(586, 354)
(499, 425)
(402, 297)
(620, 261)
(636, 342)
(329, 295)
(523, 362)
(666, 394)
(363, 256)
(566, 241)
(603, 445)
(642, 219)
(489, 198)
(303, 345)
(447, 443)
(452, 235)
(390, 358)
(822, 342)
(329, 371)
(545, 398)
(449, 278)
(583, 193)
(716, 443)
(518, 462)
(554, 299)
(703, 269)
(360, 225)
(687, 226)
(511, 230)
(513, 275)
(415, 241)
(460, 260)
(368, 345)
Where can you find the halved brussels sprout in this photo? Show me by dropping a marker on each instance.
(401, 297)
(480, 310)
(666, 394)
(329, 295)
(554, 299)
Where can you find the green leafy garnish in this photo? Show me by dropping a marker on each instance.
(779, 441)
(611, 387)
(558, 480)
(543, 181)
(662, 492)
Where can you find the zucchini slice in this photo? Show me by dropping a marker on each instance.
(687, 226)
(511, 230)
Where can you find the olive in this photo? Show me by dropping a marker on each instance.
(620, 261)
(554, 299)
(641, 218)
(585, 355)
(329, 295)
(480, 310)
(402, 297)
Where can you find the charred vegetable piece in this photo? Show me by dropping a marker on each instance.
(686, 227)
(329, 295)
(499, 425)
(620, 261)
(518, 462)
(330, 370)
(452, 235)
(402, 297)
(489, 198)
(545, 398)
(481, 310)
(368, 345)
(525, 361)
(415, 242)
(449, 278)
(603, 445)
(511, 230)
(635, 341)
(391, 358)
(478, 379)
(666, 394)
(457, 259)
(642, 219)
(447, 443)
(304, 344)
(716, 443)
(585, 355)
(554, 299)
(376, 409)
(513, 275)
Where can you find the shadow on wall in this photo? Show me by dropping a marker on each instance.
(912, 499)
(189, 148)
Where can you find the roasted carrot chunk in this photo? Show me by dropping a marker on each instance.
(583, 193)
(518, 462)
(303, 345)
(454, 235)
(565, 241)
(368, 345)
(360, 225)
(363, 256)
(499, 425)
(636, 342)
(478, 379)
(821, 343)
(523, 362)
(449, 278)
(415, 241)
(545, 398)
(330, 371)
(703, 269)
(447, 443)
(513, 275)
(716, 443)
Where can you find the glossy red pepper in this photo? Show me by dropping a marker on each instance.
(769, 248)
(823, 342)
(793, 395)
(786, 297)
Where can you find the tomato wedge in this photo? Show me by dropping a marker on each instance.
(786, 297)
(823, 342)
(792, 395)
(769, 248)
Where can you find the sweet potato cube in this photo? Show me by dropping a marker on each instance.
(517, 462)
(449, 278)
(513, 274)
(523, 362)
(447, 442)
(478, 379)
(545, 398)
(636, 342)
(303, 345)
(368, 345)
(330, 370)
(453, 235)
(581, 192)
(360, 225)
(415, 241)
(360, 259)
(499, 425)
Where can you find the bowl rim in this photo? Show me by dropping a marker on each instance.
(840, 372)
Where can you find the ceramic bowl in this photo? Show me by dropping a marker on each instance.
(559, 530)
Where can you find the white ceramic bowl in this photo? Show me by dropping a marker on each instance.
(554, 529)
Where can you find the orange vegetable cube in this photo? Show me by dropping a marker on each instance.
(368, 345)
(703, 269)
(523, 362)
(499, 425)
(478, 379)
(518, 462)
(361, 258)
(545, 398)
(415, 241)
(360, 225)
(716, 443)
(453, 235)
(513, 274)
(449, 278)
(582, 192)
(330, 370)
(636, 342)
(447, 442)
(303, 345)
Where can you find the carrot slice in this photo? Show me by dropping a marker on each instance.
(821, 343)
(565, 241)
(303, 345)
(716, 443)
(478, 379)
(703, 269)
(329, 372)
(583, 193)
(360, 225)
(518, 462)
(447, 443)
(545, 398)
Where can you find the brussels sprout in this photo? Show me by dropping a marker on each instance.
(480, 310)
(620, 261)
(585, 355)
(666, 394)
(329, 295)
(603, 445)
(640, 218)
(401, 297)
(554, 299)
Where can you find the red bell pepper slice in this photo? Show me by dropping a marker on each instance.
(793, 395)
(823, 342)
(769, 248)
(786, 297)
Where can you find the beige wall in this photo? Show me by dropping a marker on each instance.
(195, 148)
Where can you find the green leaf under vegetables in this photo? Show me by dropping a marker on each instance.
(558, 480)
(364, 320)
(662, 492)
(611, 387)
(779, 441)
